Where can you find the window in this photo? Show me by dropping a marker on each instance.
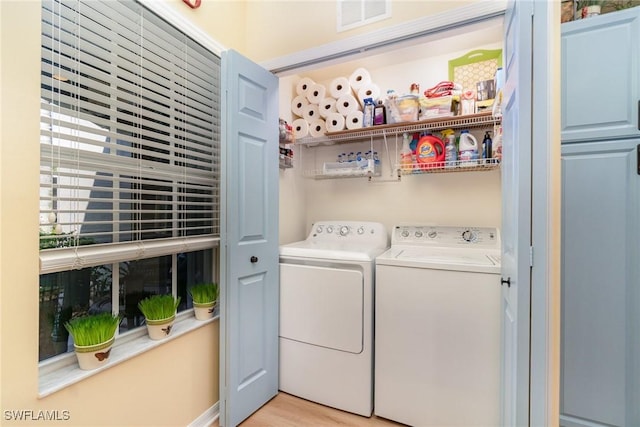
(129, 164)
(356, 13)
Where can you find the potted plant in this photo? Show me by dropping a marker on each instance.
(205, 299)
(93, 336)
(159, 312)
(588, 8)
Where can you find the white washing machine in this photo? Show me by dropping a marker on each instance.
(438, 327)
(326, 314)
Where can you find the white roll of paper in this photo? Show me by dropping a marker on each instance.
(317, 128)
(358, 78)
(369, 90)
(339, 86)
(310, 112)
(300, 128)
(354, 120)
(347, 104)
(316, 93)
(303, 85)
(334, 122)
(297, 105)
(326, 106)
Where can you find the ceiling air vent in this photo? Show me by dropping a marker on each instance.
(356, 13)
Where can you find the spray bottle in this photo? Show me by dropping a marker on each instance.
(406, 155)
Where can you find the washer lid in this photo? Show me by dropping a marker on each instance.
(441, 259)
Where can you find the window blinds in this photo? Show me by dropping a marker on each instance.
(130, 129)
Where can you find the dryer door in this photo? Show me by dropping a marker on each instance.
(322, 306)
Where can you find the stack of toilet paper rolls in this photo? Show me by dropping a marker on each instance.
(319, 109)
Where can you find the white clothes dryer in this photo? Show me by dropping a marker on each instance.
(437, 339)
(326, 314)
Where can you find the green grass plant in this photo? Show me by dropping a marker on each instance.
(158, 307)
(204, 293)
(93, 329)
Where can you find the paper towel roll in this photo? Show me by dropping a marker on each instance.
(358, 78)
(316, 93)
(354, 120)
(334, 122)
(300, 128)
(326, 106)
(297, 104)
(310, 112)
(317, 128)
(347, 104)
(339, 86)
(303, 85)
(369, 90)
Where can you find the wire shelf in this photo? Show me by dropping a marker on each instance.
(455, 122)
(449, 167)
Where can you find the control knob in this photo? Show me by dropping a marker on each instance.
(418, 234)
(468, 235)
(404, 233)
(361, 230)
(319, 229)
(330, 229)
(344, 230)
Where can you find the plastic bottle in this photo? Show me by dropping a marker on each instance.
(487, 146)
(451, 151)
(379, 116)
(468, 149)
(367, 112)
(406, 155)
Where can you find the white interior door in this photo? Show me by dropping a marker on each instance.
(249, 227)
(516, 213)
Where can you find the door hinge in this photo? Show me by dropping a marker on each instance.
(530, 256)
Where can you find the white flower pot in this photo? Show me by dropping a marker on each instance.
(93, 356)
(589, 11)
(160, 329)
(205, 310)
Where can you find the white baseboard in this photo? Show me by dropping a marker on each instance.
(207, 417)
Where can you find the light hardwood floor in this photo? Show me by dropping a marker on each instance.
(286, 410)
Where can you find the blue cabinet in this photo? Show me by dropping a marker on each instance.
(600, 353)
(601, 77)
(600, 379)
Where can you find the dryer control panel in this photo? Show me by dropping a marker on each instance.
(446, 236)
(352, 231)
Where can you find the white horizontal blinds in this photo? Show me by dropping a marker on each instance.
(130, 127)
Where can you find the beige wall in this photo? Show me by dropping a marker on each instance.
(278, 28)
(469, 198)
(128, 394)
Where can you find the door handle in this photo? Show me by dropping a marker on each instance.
(507, 282)
(253, 259)
(638, 151)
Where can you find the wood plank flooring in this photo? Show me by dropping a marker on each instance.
(286, 410)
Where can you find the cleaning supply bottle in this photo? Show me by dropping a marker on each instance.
(451, 151)
(487, 146)
(406, 155)
(367, 112)
(468, 149)
(450, 147)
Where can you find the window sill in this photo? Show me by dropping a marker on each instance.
(63, 371)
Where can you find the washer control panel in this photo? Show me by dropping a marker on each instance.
(446, 236)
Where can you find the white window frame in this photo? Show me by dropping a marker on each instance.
(61, 371)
